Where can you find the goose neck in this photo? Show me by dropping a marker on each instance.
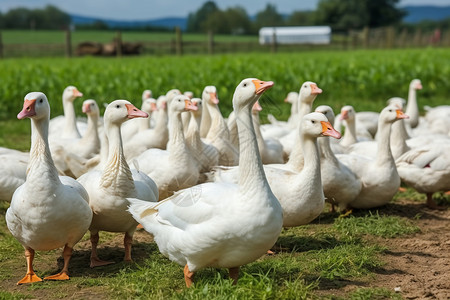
(325, 151)
(349, 137)
(193, 132)
(70, 126)
(257, 127)
(311, 158)
(384, 153)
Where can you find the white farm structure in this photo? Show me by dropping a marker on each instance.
(295, 35)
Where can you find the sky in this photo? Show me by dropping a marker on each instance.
(154, 9)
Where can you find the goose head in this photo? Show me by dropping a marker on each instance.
(189, 94)
(35, 106)
(291, 97)
(348, 113)
(149, 105)
(90, 107)
(391, 113)
(71, 93)
(397, 101)
(146, 94)
(209, 94)
(119, 111)
(415, 84)
(171, 94)
(309, 91)
(249, 91)
(316, 124)
(199, 104)
(327, 111)
(181, 103)
(161, 102)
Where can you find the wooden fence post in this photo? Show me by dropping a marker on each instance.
(365, 34)
(119, 44)
(68, 43)
(178, 41)
(210, 42)
(390, 37)
(1, 45)
(274, 41)
(418, 38)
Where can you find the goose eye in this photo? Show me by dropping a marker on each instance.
(245, 84)
(390, 110)
(117, 106)
(40, 101)
(314, 122)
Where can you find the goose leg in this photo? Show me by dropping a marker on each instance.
(64, 274)
(432, 204)
(188, 276)
(95, 261)
(234, 274)
(127, 241)
(30, 276)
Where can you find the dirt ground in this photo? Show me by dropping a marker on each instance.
(416, 266)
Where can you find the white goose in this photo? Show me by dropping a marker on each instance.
(108, 188)
(379, 176)
(340, 185)
(219, 225)
(68, 122)
(218, 134)
(426, 169)
(205, 154)
(412, 109)
(130, 128)
(13, 172)
(172, 169)
(47, 211)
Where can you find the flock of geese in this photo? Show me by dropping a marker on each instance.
(213, 192)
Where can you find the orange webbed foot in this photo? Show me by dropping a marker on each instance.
(29, 278)
(59, 276)
(95, 262)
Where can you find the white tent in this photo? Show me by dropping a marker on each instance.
(295, 35)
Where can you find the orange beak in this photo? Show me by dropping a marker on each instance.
(214, 98)
(256, 107)
(401, 115)
(86, 108)
(419, 86)
(28, 109)
(344, 115)
(153, 106)
(262, 86)
(328, 130)
(133, 112)
(77, 93)
(189, 106)
(315, 89)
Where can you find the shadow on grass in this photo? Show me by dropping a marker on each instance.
(294, 243)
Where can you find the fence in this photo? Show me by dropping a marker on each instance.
(387, 37)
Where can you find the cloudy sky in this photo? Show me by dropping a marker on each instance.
(153, 9)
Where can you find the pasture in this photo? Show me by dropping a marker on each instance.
(402, 245)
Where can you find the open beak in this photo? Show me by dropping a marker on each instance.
(86, 108)
(188, 105)
(261, 86)
(28, 109)
(133, 112)
(401, 115)
(328, 130)
(315, 89)
(214, 98)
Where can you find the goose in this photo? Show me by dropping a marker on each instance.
(205, 154)
(426, 169)
(340, 185)
(174, 168)
(379, 176)
(352, 134)
(291, 142)
(271, 150)
(300, 193)
(109, 187)
(292, 121)
(186, 117)
(47, 211)
(68, 122)
(412, 109)
(220, 225)
(218, 134)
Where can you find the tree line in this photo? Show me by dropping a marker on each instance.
(341, 15)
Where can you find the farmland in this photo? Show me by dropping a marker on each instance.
(364, 256)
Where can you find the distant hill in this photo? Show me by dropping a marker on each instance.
(163, 22)
(426, 12)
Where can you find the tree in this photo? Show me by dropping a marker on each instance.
(238, 20)
(301, 18)
(355, 14)
(268, 17)
(48, 18)
(195, 20)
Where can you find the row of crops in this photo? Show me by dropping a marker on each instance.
(364, 79)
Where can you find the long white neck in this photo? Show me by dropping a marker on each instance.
(91, 135)
(161, 121)
(252, 178)
(218, 127)
(116, 172)
(311, 168)
(325, 150)
(349, 137)
(205, 124)
(412, 109)
(384, 154)
(398, 139)
(259, 137)
(178, 150)
(41, 162)
(144, 123)
(70, 126)
(193, 133)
